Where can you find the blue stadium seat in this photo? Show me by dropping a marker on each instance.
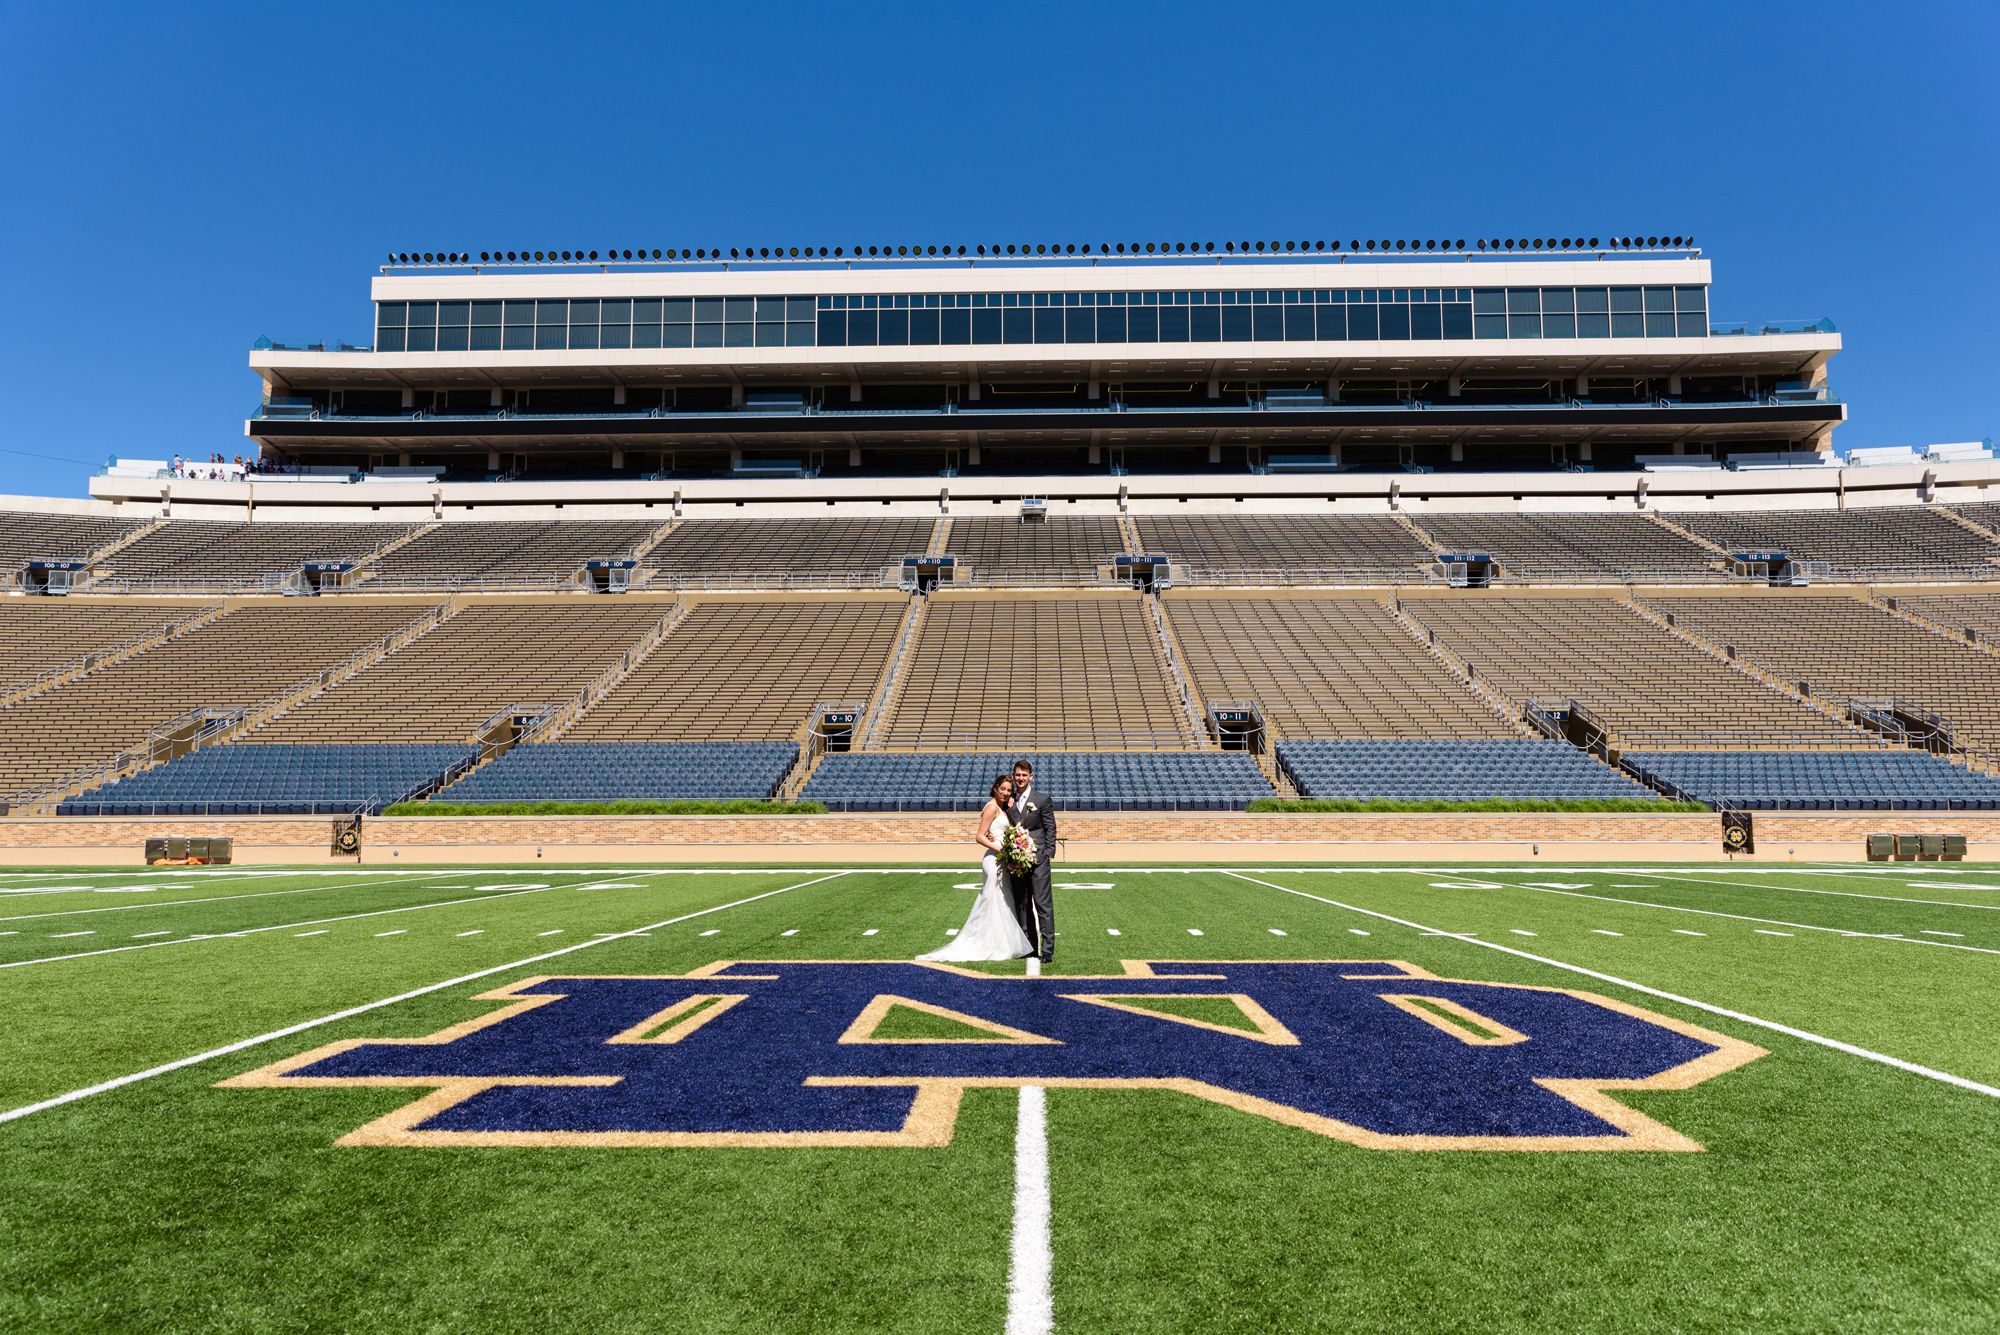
(1876, 780)
(251, 779)
(629, 771)
(1077, 780)
(1414, 769)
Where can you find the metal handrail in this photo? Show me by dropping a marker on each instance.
(50, 678)
(551, 724)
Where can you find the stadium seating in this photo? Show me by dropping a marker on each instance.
(244, 659)
(1651, 689)
(490, 656)
(1450, 771)
(1848, 650)
(37, 634)
(1071, 547)
(1880, 538)
(1554, 543)
(275, 780)
(749, 670)
(1283, 542)
(789, 546)
(1882, 780)
(28, 537)
(1076, 780)
(614, 771)
(1325, 667)
(1052, 672)
(499, 549)
(199, 549)
(1980, 612)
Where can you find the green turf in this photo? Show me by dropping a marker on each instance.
(1835, 1193)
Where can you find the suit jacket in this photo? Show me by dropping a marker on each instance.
(1039, 823)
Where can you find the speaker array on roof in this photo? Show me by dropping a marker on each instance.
(1065, 250)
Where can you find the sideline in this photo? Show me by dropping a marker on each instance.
(123, 1080)
(1834, 1043)
(212, 899)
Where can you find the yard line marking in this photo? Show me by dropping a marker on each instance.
(1744, 917)
(137, 935)
(1030, 1304)
(711, 931)
(1804, 1035)
(557, 932)
(477, 931)
(363, 1009)
(1602, 932)
(1034, 966)
(1928, 932)
(1682, 931)
(398, 932)
(213, 899)
(321, 932)
(1274, 931)
(276, 927)
(60, 935)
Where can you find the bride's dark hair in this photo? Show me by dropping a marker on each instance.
(994, 791)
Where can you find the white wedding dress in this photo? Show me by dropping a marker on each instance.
(991, 931)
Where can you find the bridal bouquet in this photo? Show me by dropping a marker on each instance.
(1018, 851)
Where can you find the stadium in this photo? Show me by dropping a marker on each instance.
(1510, 765)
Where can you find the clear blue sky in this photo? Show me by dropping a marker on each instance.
(181, 179)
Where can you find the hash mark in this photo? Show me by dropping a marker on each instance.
(1602, 932)
(398, 932)
(556, 932)
(474, 932)
(1685, 932)
(1762, 932)
(711, 931)
(59, 935)
(1518, 932)
(136, 935)
(1113, 931)
(1357, 931)
(1928, 932)
(789, 932)
(1274, 931)
(321, 932)
(871, 931)
(1194, 931)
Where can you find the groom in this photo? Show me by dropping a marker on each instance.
(1034, 902)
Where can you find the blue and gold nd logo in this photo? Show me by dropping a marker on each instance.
(1380, 1054)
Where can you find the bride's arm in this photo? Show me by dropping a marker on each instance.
(983, 835)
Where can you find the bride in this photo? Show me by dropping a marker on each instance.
(990, 931)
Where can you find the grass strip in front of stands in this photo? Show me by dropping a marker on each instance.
(678, 807)
(1636, 805)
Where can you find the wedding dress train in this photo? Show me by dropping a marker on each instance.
(991, 931)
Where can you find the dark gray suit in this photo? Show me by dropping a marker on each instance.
(1034, 900)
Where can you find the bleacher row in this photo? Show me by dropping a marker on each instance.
(1060, 675)
(1887, 538)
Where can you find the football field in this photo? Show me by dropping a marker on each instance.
(1431, 1098)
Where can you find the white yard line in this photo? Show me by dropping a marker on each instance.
(1806, 890)
(351, 1011)
(177, 903)
(1834, 1043)
(1030, 1304)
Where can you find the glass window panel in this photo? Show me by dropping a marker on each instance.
(1332, 323)
(799, 308)
(955, 327)
(615, 312)
(1364, 322)
(1523, 300)
(826, 303)
(552, 313)
(1268, 323)
(1524, 326)
(707, 334)
(1691, 299)
(391, 314)
(518, 338)
(486, 312)
(1559, 326)
(422, 339)
(799, 333)
(452, 338)
(1489, 300)
(646, 310)
(903, 302)
(707, 310)
(739, 334)
(986, 325)
(739, 309)
(1659, 324)
(551, 336)
(1427, 320)
(678, 336)
(454, 312)
(1111, 324)
(894, 327)
(486, 338)
(1593, 299)
(1558, 299)
(931, 301)
(1627, 324)
(1080, 324)
(861, 328)
(583, 312)
(1395, 321)
(1458, 317)
(1143, 324)
(1173, 324)
(1020, 325)
(645, 336)
(1205, 324)
(1625, 299)
(423, 313)
(389, 340)
(1659, 298)
(1049, 324)
(924, 326)
(1593, 325)
(680, 310)
(583, 336)
(1488, 326)
(1299, 324)
(770, 334)
(1693, 324)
